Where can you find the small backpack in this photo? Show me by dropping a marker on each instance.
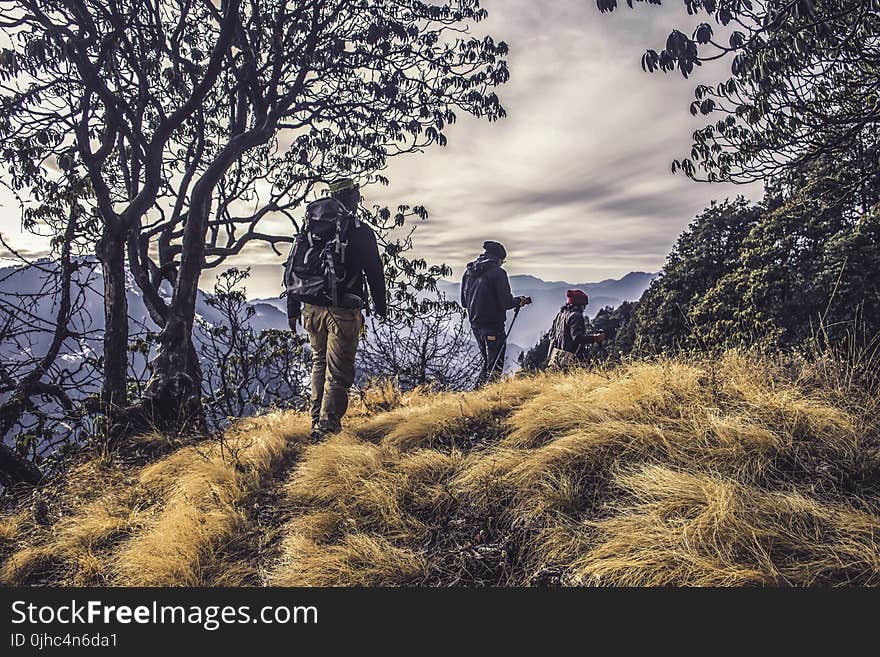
(316, 267)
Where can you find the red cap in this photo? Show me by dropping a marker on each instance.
(577, 297)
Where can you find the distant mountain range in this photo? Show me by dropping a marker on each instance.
(271, 313)
(33, 280)
(547, 297)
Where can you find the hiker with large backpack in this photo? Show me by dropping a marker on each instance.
(486, 295)
(568, 335)
(333, 259)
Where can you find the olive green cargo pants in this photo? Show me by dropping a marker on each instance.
(333, 336)
(561, 359)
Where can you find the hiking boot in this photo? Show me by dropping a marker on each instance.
(317, 434)
(328, 428)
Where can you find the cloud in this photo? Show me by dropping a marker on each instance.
(576, 181)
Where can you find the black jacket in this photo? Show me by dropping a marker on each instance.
(569, 331)
(485, 293)
(362, 259)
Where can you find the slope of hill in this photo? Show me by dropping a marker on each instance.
(731, 472)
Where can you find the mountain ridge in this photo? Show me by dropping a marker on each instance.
(547, 297)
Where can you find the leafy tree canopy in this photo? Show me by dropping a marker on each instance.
(802, 83)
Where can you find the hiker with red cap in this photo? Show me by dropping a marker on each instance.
(485, 293)
(569, 336)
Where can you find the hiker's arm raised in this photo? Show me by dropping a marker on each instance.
(580, 325)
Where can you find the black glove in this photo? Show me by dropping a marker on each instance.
(294, 313)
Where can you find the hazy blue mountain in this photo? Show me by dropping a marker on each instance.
(548, 296)
(268, 316)
(33, 281)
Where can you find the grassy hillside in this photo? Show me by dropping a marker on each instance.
(729, 472)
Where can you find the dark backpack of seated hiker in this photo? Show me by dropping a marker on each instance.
(316, 269)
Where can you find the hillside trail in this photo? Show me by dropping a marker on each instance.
(254, 544)
(270, 513)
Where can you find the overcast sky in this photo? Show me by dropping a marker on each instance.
(576, 181)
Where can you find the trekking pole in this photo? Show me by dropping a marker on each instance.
(506, 335)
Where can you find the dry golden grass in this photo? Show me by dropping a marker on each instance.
(88, 511)
(731, 472)
(694, 529)
(9, 528)
(356, 560)
(206, 490)
(168, 523)
(426, 420)
(728, 472)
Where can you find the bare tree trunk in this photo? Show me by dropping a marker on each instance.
(111, 253)
(172, 401)
(174, 392)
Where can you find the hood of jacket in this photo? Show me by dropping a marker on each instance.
(483, 264)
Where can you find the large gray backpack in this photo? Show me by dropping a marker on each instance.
(316, 267)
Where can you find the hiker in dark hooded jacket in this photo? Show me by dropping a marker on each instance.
(568, 335)
(334, 330)
(485, 293)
